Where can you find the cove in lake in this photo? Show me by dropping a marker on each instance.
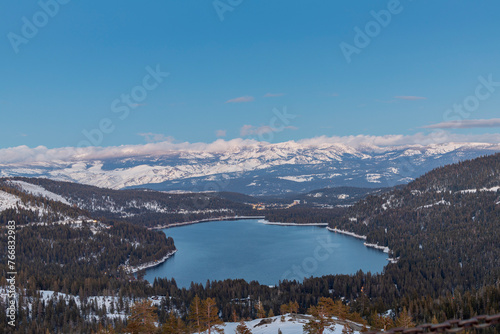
(254, 251)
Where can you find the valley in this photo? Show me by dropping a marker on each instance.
(440, 232)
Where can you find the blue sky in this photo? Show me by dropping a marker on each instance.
(231, 68)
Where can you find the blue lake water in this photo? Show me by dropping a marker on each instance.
(252, 250)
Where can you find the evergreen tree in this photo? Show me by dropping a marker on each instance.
(142, 318)
(242, 328)
(261, 313)
(209, 317)
(321, 317)
(195, 313)
(173, 325)
(404, 319)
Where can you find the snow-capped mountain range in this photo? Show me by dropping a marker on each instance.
(258, 169)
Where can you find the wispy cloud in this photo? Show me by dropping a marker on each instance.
(274, 94)
(156, 137)
(241, 99)
(410, 98)
(466, 124)
(250, 130)
(220, 133)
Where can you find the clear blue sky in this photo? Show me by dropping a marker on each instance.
(64, 78)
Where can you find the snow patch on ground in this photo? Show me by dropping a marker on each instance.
(300, 178)
(473, 191)
(441, 202)
(291, 325)
(8, 201)
(336, 230)
(38, 191)
(373, 178)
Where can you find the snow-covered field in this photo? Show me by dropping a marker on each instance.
(289, 326)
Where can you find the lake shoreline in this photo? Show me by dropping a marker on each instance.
(384, 249)
(224, 218)
(267, 222)
(134, 269)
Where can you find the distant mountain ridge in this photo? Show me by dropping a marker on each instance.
(260, 169)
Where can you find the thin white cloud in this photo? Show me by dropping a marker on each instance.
(241, 99)
(220, 133)
(410, 98)
(156, 137)
(274, 94)
(466, 124)
(24, 155)
(250, 130)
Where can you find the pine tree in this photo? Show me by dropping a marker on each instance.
(293, 307)
(404, 319)
(261, 313)
(382, 322)
(209, 317)
(105, 330)
(195, 314)
(171, 326)
(321, 317)
(340, 310)
(142, 318)
(271, 313)
(242, 328)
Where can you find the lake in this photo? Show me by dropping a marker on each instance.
(265, 253)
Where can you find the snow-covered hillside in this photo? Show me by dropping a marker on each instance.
(257, 169)
(37, 191)
(289, 326)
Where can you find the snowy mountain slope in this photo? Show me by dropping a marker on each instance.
(37, 191)
(8, 201)
(260, 169)
(42, 212)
